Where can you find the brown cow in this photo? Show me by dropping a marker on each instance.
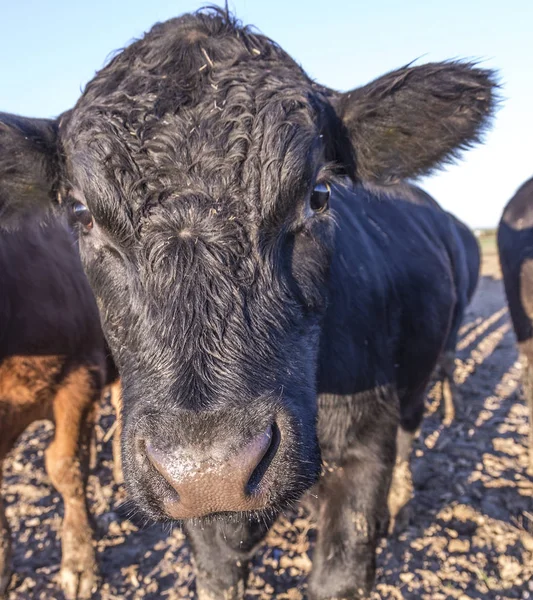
(52, 366)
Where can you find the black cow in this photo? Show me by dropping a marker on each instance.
(515, 246)
(265, 306)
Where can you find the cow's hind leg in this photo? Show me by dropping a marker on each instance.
(5, 544)
(527, 384)
(116, 401)
(402, 488)
(67, 465)
(451, 404)
(353, 502)
(530, 402)
(222, 552)
(10, 429)
(450, 393)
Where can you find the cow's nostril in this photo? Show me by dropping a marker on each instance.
(260, 470)
(219, 478)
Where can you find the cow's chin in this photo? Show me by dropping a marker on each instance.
(231, 518)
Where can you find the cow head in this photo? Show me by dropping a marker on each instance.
(200, 165)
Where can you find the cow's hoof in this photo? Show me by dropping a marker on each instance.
(400, 522)
(352, 581)
(235, 592)
(5, 578)
(5, 564)
(350, 594)
(78, 580)
(117, 474)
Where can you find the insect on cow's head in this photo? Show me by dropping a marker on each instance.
(201, 165)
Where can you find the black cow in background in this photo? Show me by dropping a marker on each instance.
(515, 246)
(265, 303)
(54, 364)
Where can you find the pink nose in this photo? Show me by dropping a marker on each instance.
(218, 479)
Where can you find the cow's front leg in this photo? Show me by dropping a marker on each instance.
(67, 460)
(353, 515)
(221, 552)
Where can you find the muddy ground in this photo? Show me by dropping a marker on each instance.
(468, 537)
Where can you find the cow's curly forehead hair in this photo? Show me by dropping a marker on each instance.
(199, 108)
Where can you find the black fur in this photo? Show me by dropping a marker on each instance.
(28, 166)
(448, 104)
(229, 304)
(466, 260)
(46, 305)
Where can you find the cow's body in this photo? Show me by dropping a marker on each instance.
(515, 246)
(374, 314)
(242, 270)
(382, 336)
(52, 366)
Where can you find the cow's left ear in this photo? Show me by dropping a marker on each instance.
(29, 166)
(411, 121)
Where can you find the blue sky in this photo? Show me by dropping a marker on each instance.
(51, 48)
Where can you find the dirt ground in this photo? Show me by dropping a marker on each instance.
(470, 535)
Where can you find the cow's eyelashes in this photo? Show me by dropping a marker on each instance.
(81, 215)
(319, 200)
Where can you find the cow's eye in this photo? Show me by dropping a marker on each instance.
(82, 215)
(319, 201)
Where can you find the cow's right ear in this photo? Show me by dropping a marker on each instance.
(29, 166)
